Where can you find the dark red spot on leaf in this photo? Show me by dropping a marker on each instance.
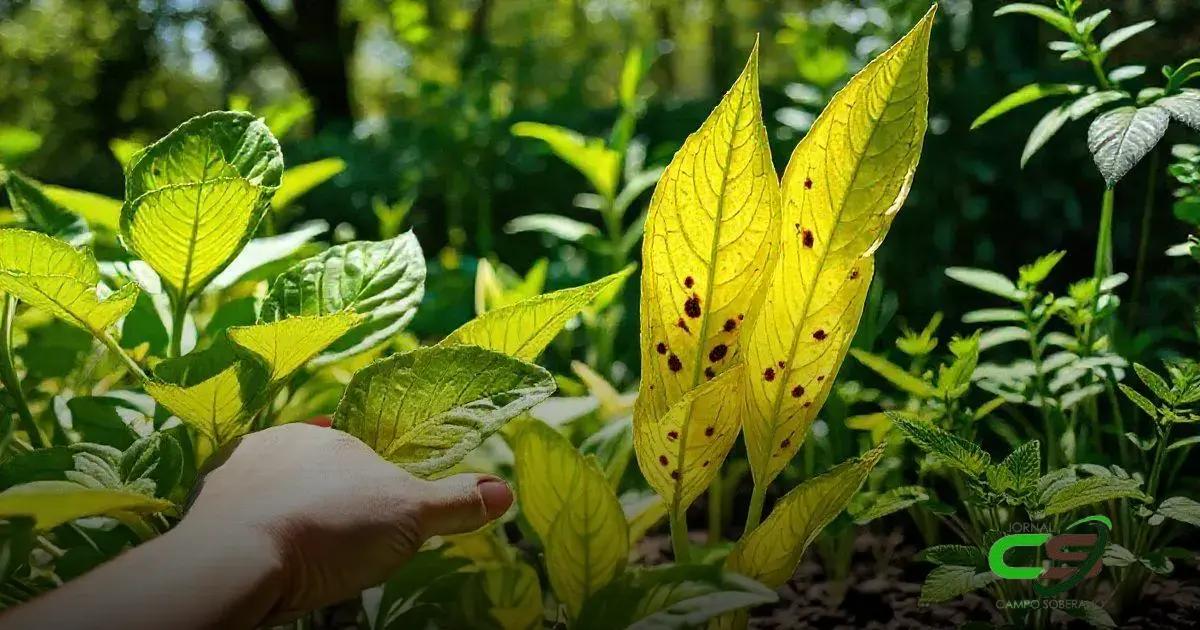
(807, 404)
(672, 435)
(706, 463)
(675, 474)
(661, 347)
(741, 316)
(708, 432)
(662, 459)
(730, 325)
(808, 183)
(683, 326)
(781, 364)
(820, 378)
(692, 306)
(797, 391)
(854, 274)
(769, 374)
(807, 238)
(718, 352)
(674, 363)
(709, 373)
(785, 443)
(689, 282)
(819, 335)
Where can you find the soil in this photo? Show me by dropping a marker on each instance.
(884, 586)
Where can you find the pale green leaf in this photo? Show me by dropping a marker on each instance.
(194, 198)
(1120, 139)
(299, 180)
(52, 503)
(16, 144)
(1044, 13)
(1085, 105)
(1182, 509)
(1121, 35)
(1024, 96)
(524, 329)
(1141, 401)
(125, 150)
(1154, 382)
(286, 345)
(426, 409)
(993, 315)
(53, 276)
(590, 156)
(1044, 130)
(384, 281)
(560, 227)
(1125, 73)
(895, 374)
(98, 210)
(259, 253)
(771, 552)
(987, 281)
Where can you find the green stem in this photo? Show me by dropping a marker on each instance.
(8, 373)
(757, 498)
(716, 500)
(1103, 266)
(679, 537)
(1139, 273)
(178, 319)
(116, 349)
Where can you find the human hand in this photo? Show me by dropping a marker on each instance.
(330, 515)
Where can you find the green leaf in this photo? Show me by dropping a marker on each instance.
(384, 281)
(889, 502)
(771, 552)
(1139, 400)
(426, 409)
(590, 156)
(986, 281)
(44, 214)
(569, 503)
(1125, 73)
(299, 180)
(46, 464)
(949, 581)
(16, 144)
(260, 253)
(1184, 443)
(1044, 130)
(1044, 13)
(512, 596)
(555, 225)
(1121, 35)
(958, 555)
(52, 503)
(1184, 107)
(1091, 490)
(1033, 274)
(1024, 96)
(524, 329)
(993, 315)
(955, 451)
(1089, 23)
(105, 420)
(210, 390)
(286, 345)
(895, 374)
(1024, 465)
(670, 598)
(53, 276)
(156, 457)
(1182, 509)
(1119, 139)
(1085, 105)
(1154, 382)
(194, 198)
(96, 209)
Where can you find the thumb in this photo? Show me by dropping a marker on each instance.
(464, 503)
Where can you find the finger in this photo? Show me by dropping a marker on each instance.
(464, 503)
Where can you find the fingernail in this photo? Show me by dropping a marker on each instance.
(497, 496)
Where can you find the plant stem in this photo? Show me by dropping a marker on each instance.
(754, 516)
(679, 537)
(1139, 273)
(716, 499)
(1103, 266)
(178, 318)
(8, 373)
(116, 349)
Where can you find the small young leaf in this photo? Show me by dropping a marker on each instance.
(1139, 400)
(1125, 73)
(286, 345)
(1155, 382)
(1044, 130)
(1085, 105)
(426, 409)
(52, 503)
(986, 281)
(299, 180)
(895, 374)
(1025, 466)
(1033, 274)
(1044, 13)
(1120, 139)
(771, 552)
(1024, 96)
(53, 276)
(1121, 35)
(993, 315)
(194, 198)
(384, 281)
(955, 451)
(588, 155)
(524, 329)
(560, 227)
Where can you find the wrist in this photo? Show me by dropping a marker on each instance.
(247, 556)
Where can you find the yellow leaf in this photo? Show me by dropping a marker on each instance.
(524, 329)
(482, 547)
(286, 345)
(681, 453)
(569, 503)
(772, 551)
(843, 186)
(214, 406)
(53, 276)
(711, 234)
(514, 595)
(52, 503)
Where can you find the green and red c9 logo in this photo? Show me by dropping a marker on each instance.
(1081, 553)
